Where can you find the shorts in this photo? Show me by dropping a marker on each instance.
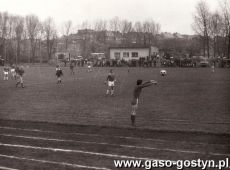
(110, 83)
(134, 102)
(19, 79)
(6, 73)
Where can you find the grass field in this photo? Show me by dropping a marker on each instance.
(74, 125)
(187, 99)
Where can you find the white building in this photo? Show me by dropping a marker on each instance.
(131, 53)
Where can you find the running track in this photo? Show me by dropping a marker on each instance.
(33, 145)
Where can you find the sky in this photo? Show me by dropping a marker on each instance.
(172, 15)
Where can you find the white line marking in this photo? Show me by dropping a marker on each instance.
(6, 168)
(115, 145)
(189, 122)
(75, 151)
(53, 162)
(121, 137)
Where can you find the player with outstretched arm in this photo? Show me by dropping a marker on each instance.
(136, 94)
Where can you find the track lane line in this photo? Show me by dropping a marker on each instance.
(121, 137)
(53, 162)
(115, 145)
(6, 168)
(75, 151)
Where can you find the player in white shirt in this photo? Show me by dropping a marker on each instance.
(110, 80)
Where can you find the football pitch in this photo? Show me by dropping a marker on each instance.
(74, 125)
(188, 99)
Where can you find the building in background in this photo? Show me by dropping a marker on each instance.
(132, 53)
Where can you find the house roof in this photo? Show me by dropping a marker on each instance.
(130, 47)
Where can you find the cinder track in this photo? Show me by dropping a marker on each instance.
(36, 145)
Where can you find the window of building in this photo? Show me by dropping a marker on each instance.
(126, 54)
(117, 55)
(134, 54)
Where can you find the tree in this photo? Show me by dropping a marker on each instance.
(114, 25)
(150, 29)
(10, 36)
(66, 30)
(100, 27)
(201, 24)
(226, 22)
(125, 28)
(50, 35)
(138, 28)
(19, 27)
(4, 17)
(33, 27)
(216, 29)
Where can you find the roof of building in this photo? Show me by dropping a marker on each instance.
(130, 47)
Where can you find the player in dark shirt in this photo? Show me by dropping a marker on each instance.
(136, 94)
(110, 80)
(59, 73)
(19, 74)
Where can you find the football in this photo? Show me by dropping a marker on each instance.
(163, 72)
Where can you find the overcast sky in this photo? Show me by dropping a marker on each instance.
(173, 15)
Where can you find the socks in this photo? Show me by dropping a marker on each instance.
(133, 120)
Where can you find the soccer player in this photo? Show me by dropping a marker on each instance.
(59, 73)
(110, 83)
(6, 72)
(213, 67)
(89, 65)
(13, 72)
(136, 94)
(19, 74)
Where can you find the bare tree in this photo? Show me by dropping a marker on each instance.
(125, 29)
(138, 28)
(225, 6)
(85, 25)
(50, 35)
(86, 35)
(100, 27)
(66, 30)
(125, 26)
(4, 17)
(216, 28)
(201, 24)
(147, 31)
(33, 27)
(114, 24)
(154, 30)
(19, 27)
(10, 36)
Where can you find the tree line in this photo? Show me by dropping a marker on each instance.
(23, 36)
(31, 37)
(213, 28)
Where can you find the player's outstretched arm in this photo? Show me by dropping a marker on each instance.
(148, 83)
(153, 82)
